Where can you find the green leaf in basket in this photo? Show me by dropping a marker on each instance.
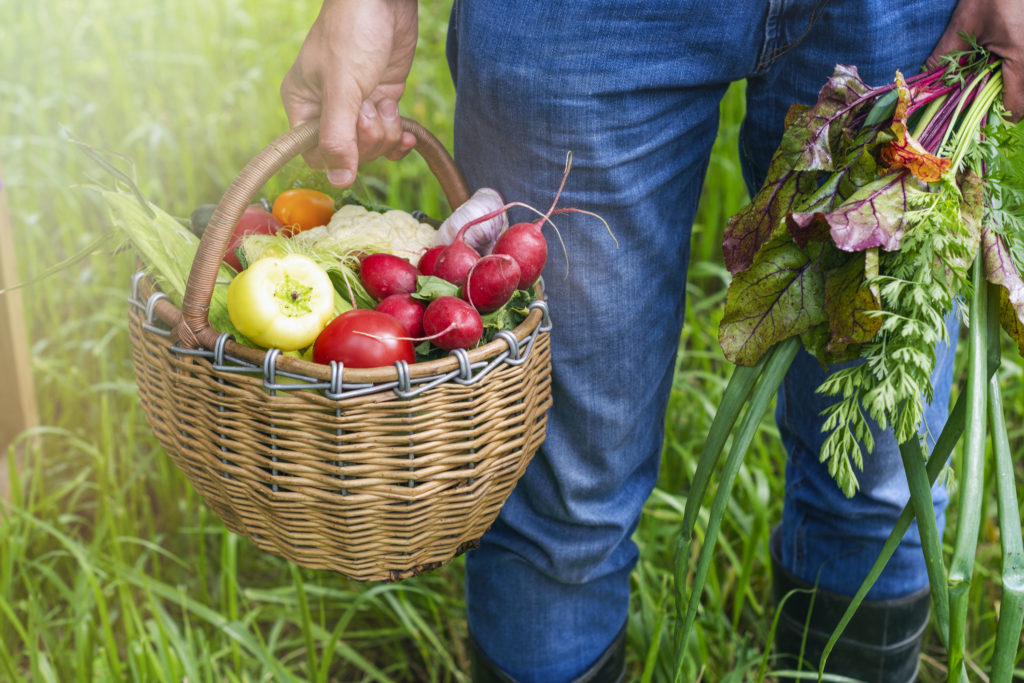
(430, 287)
(509, 316)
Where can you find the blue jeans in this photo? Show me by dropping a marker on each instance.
(632, 89)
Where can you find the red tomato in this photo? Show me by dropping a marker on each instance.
(363, 338)
(255, 220)
(302, 208)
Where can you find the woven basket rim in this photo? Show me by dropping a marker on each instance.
(164, 309)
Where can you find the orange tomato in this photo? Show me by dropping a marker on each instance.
(302, 208)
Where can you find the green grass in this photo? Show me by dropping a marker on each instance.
(111, 568)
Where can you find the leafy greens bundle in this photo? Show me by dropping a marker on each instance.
(861, 239)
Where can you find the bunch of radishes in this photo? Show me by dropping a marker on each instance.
(484, 284)
(479, 283)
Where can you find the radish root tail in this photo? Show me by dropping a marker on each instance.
(451, 326)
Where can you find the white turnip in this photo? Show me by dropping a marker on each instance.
(483, 235)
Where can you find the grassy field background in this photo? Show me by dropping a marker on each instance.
(111, 568)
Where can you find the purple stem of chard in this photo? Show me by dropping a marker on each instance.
(935, 129)
(967, 102)
(926, 77)
(927, 97)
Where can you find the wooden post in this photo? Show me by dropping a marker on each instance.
(17, 395)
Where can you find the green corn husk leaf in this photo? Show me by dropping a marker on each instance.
(167, 249)
(166, 245)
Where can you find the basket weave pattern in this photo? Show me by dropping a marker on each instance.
(377, 486)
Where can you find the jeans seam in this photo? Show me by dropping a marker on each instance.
(770, 53)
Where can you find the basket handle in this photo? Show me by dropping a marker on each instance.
(194, 330)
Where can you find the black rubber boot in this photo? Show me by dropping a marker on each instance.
(881, 644)
(610, 667)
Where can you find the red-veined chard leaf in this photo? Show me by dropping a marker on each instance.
(808, 144)
(789, 190)
(849, 303)
(779, 296)
(857, 169)
(873, 216)
(751, 227)
(1001, 270)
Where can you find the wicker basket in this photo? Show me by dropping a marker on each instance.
(377, 474)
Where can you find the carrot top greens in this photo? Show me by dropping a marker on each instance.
(861, 239)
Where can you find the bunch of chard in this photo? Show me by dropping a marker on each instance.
(862, 237)
(884, 211)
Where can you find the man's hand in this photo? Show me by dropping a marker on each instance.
(998, 25)
(350, 73)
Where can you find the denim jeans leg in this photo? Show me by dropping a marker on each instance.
(825, 537)
(632, 90)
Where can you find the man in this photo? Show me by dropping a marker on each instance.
(632, 89)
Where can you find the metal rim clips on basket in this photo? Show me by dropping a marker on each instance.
(375, 473)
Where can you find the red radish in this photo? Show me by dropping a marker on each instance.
(491, 282)
(386, 274)
(452, 323)
(524, 243)
(455, 260)
(407, 310)
(429, 258)
(362, 338)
